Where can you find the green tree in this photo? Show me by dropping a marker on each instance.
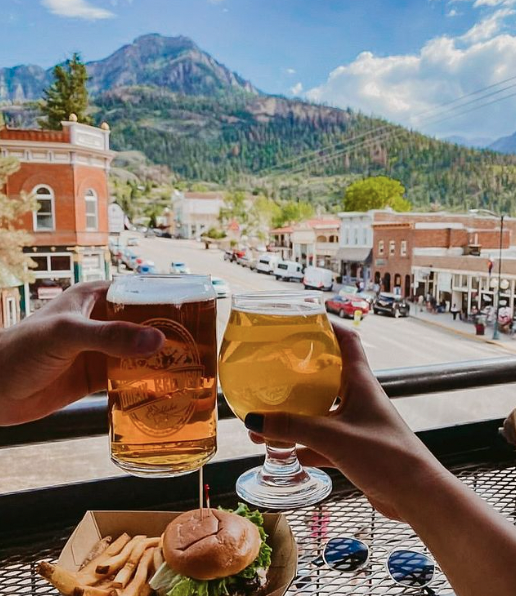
(376, 192)
(66, 95)
(292, 212)
(13, 261)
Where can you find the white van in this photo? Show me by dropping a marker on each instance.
(317, 278)
(267, 263)
(288, 270)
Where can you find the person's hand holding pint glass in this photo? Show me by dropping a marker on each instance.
(162, 409)
(280, 354)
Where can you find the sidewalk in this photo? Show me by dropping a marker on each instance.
(464, 328)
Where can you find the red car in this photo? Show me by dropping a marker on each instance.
(345, 305)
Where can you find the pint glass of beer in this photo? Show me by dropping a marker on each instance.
(162, 409)
(279, 353)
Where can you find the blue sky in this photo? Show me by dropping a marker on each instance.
(395, 58)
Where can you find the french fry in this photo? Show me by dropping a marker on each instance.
(139, 584)
(158, 558)
(62, 580)
(112, 565)
(89, 576)
(88, 571)
(67, 582)
(97, 550)
(125, 574)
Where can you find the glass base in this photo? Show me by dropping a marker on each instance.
(309, 486)
(164, 471)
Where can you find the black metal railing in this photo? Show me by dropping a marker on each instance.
(89, 417)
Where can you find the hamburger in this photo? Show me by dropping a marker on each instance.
(222, 553)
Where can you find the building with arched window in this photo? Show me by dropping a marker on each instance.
(67, 171)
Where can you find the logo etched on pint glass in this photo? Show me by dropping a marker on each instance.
(163, 408)
(164, 403)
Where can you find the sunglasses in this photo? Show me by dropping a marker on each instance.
(407, 568)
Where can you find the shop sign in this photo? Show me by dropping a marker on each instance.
(379, 262)
(445, 282)
(45, 293)
(116, 218)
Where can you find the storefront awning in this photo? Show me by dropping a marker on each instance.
(354, 255)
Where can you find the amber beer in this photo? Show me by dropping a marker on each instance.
(289, 361)
(162, 409)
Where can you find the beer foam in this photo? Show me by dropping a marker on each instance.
(160, 289)
(280, 305)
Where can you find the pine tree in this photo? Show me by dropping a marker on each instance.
(66, 95)
(13, 261)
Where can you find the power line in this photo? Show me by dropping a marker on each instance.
(394, 132)
(317, 152)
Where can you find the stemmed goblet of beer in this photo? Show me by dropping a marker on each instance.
(279, 353)
(162, 409)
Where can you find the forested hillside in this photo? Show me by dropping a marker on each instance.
(242, 139)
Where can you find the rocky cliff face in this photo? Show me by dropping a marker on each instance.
(22, 83)
(173, 63)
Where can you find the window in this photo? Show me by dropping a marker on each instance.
(11, 312)
(392, 247)
(44, 216)
(403, 248)
(381, 247)
(92, 210)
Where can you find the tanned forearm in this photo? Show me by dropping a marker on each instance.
(474, 545)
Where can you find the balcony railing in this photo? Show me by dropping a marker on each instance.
(89, 417)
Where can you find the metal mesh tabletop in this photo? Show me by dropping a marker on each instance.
(345, 513)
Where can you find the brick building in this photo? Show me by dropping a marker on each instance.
(67, 171)
(452, 257)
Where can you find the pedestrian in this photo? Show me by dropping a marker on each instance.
(420, 301)
(454, 311)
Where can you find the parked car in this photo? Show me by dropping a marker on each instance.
(149, 233)
(228, 255)
(391, 304)
(221, 287)
(147, 267)
(129, 258)
(133, 241)
(288, 270)
(267, 263)
(317, 278)
(368, 295)
(179, 267)
(247, 261)
(346, 305)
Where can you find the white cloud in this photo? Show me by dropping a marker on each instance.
(402, 87)
(453, 13)
(290, 71)
(80, 9)
(488, 27)
(297, 89)
(410, 88)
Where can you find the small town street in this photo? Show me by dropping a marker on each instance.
(388, 342)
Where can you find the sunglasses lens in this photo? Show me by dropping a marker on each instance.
(346, 554)
(410, 568)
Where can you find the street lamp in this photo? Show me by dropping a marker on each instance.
(496, 333)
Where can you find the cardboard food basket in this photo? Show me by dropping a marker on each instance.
(98, 524)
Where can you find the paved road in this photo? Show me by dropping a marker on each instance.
(389, 343)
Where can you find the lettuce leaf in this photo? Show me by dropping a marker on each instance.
(264, 555)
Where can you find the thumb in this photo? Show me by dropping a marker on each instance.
(312, 431)
(115, 338)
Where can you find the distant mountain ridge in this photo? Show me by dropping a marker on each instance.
(505, 144)
(173, 63)
(183, 109)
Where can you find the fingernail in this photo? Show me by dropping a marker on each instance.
(149, 341)
(254, 422)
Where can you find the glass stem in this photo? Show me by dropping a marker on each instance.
(281, 466)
